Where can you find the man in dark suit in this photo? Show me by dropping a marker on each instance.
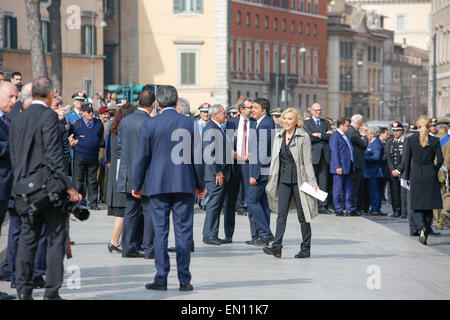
(239, 128)
(170, 165)
(46, 148)
(217, 172)
(319, 131)
(137, 224)
(341, 167)
(359, 143)
(260, 145)
(8, 98)
(89, 133)
(373, 169)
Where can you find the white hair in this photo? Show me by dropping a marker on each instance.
(356, 117)
(375, 131)
(215, 108)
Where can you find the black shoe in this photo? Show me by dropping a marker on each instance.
(241, 212)
(396, 214)
(323, 211)
(55, 297)
(339, 214)
(150, 256)
(25, 297)
(303, 254)
(434, 233)
(423, 238)
(13, 285)
(251, 241)
(226, 240)
(39, 282)
(133, 254)
(211, 241)
(414, 234)
(270, 238)
(5, 296)
(404, 216)
(186, 287)
(276, 252)
(261, 242)
(353, 214)
(172, 249)
(154, 286)
(330, 211)
(94, 207)
(112, 248)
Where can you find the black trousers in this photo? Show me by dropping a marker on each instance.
(422, 220)
(363, 196)
(86, 170)
(356, 181)
(55, 221)
(285, 192)
(3, 209)
(322, 175)
(398, 196)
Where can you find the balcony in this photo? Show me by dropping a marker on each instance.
(292, 79)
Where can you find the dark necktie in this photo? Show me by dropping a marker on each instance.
(89, 124)
(5, 120)
(318, 122)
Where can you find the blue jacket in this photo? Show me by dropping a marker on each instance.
(166, 139)
(6, 176)
(340, 154)
(89, 140)
(373, 166)
(211, 148)
(264, 133)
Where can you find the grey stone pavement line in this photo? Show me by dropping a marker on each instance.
(343, 250)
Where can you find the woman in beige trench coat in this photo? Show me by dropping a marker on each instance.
(290, 167)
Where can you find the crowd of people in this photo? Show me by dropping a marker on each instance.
(147, 161)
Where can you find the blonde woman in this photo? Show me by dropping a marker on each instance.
(291, 166)
(422, 175)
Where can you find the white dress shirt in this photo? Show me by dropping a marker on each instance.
(240, 135)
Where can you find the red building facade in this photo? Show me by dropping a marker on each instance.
(270, 37)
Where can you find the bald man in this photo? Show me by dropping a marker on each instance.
(8, 98)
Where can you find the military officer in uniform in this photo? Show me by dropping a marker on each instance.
(79, 98)
(276, 114)
(393, 154)
(433, 127)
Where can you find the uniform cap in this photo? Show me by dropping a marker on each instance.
(276, 112)
(433, 121)
(79, 95)
(204, 107)
(87, 107)
(232, 109)
(396, 125)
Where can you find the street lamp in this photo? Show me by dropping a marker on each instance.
(404, 45)
(302, 48)
(103, 24)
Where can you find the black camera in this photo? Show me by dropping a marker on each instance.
(80, 212)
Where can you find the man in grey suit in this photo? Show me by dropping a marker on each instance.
(319, 131)
(128, 144)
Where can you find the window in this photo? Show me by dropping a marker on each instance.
(300, 28)
(276, 58)
(276, 3)
(256, 95)
(248, 58)
(293, 4)
(401, 23)
(257, 58)
(239, 58)
(188, 6)
(284, 25)
(46, 36)
(300, 65)
(307, 100)
(286, 4)
(188, 68)
(341, 49)
(369, 53)
(316, 8)
(316, 64)
(110, 6)
(307, 29)
(87, 86)
(314, 98)
(247, 20)
(374, 54)
(351, 50)
(293, 27)
(257, 21)
(238, 18)
(315, 30)
(275, 24)
(88, 40)
(308, 8)
(267, 61)
(267, 2)
(9, 32)
(308, 64)
(293, 61)
(302, 5)
(300, 100)
(266, 23)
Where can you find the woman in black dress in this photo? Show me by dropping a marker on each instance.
(115, 200)
(421, 173)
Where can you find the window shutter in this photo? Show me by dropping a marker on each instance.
(199, 6)
(13, 33)
(83, 39)
(49, 39)
(95, 40)
(178, 6)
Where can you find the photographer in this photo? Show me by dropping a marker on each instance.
(44, 148)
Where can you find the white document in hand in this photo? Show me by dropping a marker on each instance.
(404, 184)
(117, 171)
(308, 189)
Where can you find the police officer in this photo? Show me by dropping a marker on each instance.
(433, 127)
(75, 114)
(89, 133)
(393, 153)
(276, 114)
(204, 116)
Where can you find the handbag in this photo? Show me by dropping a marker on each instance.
(39, 188)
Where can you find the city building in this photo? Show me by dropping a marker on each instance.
(410, 19)
(440, 53)
(82, 38)
(355, 56)
(404, 83)
(218, 50)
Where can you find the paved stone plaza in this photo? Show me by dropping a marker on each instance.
(352, 258)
